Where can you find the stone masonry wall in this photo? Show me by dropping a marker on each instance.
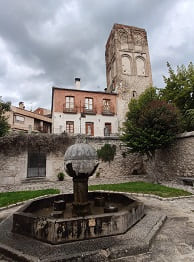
(175, 161)
(178, 160)
(123, 165)
(13, 168)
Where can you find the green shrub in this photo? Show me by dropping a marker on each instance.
(60, 176)
(107, 152)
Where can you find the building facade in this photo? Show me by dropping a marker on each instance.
(84, 112)
(128, 73)
(20, 119)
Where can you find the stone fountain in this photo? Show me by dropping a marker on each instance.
(81, 163)
(82, 215)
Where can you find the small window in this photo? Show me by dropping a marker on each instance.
(124, 41)
(70, 127)
(134, 93)
(69, 102)
(106, 105)
(89, 103)
(19, 119)
(107, 129)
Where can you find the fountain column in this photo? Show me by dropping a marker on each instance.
(80, 163)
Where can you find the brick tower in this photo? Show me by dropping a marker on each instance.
(128, 69)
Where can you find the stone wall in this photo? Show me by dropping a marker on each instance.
(177, 160)
(123, 166)
(14, 167)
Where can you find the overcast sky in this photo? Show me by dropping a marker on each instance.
(45, 43)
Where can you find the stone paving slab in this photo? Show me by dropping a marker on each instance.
(135, 241)
(173, 243)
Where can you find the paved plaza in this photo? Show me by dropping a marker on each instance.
(175, 240)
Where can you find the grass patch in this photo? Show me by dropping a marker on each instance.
(142, 187)
(9, 198)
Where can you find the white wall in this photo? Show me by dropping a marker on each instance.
(59, 123)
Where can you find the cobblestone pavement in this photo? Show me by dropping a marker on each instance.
(174, 242)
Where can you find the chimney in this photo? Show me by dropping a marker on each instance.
(21, 105)
(77, 83)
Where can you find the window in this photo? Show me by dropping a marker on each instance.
(114, 68)
(89, 103)
(69, 102)
(106, 105)
(19, 119)
(70, 127)
(89, 128)
(126, 65)
(124, 41)
(134, 93)
(107, 129)
(140, 63)
(109, 77)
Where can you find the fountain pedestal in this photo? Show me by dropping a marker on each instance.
(81, 206)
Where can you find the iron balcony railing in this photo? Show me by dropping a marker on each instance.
(91, 111)
(108, 110)
(71, 110)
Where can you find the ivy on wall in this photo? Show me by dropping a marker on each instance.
(19, 142)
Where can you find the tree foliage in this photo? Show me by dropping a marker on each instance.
(4, 126)
(179, 90)
(151, 124)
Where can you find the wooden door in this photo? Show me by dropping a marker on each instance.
(36, 164)
(90, 129)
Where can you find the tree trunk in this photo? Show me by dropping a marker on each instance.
(152, 158)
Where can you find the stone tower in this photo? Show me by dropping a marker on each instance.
(128, 69)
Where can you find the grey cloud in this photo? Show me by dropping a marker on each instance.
(65, 39)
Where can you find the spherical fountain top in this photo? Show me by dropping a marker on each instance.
(81, 159)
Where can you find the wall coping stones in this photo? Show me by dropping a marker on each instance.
(150, 195)
(186, 134)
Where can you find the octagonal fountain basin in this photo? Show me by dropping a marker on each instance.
(50, 219)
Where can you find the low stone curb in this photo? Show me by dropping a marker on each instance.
(22, 202)
(149, 195)
(113, 248)
(132, 194)
(16, 255)
(155, 229)
(124, 252)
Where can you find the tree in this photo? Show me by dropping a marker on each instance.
(179, 90)
(4, 126)
(151, 124)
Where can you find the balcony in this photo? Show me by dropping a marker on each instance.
(108, 110)
(69, 110)
(91, 111)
